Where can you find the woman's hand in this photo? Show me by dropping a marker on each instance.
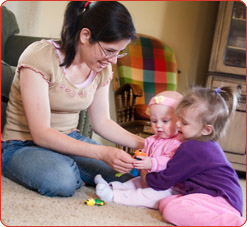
(144, 163)
(117, 159)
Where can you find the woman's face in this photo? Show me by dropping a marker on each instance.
(99, 55)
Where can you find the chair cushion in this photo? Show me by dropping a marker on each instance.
(141, 112)
(9, 27)
(7, 75)
(150, 64)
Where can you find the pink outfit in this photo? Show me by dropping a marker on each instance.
(199, 210)
(134, 192)
(160, 150)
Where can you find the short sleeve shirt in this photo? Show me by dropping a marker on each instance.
(66, 99)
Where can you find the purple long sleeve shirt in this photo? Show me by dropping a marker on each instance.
(200, 167)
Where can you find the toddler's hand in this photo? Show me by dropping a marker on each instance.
(143, 174)
(144, 163)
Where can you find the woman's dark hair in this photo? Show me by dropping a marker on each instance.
(108, 21)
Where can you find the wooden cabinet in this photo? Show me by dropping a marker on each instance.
(229, 47)
(228, 68)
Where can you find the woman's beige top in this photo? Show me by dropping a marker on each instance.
(66, 99)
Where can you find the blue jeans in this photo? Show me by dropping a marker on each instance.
(51, 173)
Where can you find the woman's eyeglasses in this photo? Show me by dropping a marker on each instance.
(109, 54)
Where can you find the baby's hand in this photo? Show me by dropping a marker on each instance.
(144, 163)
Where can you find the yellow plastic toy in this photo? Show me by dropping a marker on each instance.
(96, 202)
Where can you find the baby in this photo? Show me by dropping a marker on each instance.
(159, 149)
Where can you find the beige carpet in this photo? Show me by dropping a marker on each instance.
(22, 207)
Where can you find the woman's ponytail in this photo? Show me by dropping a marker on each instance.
(71, 26)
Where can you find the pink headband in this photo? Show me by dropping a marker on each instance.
(162, 100)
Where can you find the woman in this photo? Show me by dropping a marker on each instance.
(54, 81)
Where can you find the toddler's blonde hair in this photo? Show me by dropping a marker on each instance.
(212, 107)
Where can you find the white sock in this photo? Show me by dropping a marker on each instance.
(103, 190)
(99, 179)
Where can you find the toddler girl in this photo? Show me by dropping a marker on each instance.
(159, 149)
(209, 191)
